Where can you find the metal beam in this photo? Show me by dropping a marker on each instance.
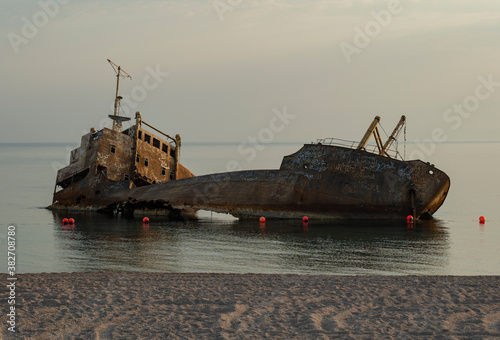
(392, 138)
(368, 133)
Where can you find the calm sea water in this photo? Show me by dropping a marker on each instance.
(454, 243)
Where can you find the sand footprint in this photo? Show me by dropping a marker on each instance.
(491, 322)
(463, 322)
(326, 319)
(106, 327)
(231, 322)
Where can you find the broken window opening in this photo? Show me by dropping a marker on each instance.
(74, 155)
(146, 162)
(163, 171)
(164, 148)
(113, 148)
(128, 132)
(156, 143)
(147, 138)
(137, 158)
(102, 169)
(73, 179)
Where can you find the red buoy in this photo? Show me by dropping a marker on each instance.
(145, 220)
(482, 219)
(71, 221)
(409, 219)
(65, 221)
(262, 219)
(305, 219)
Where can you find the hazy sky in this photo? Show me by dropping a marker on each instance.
(236, 69)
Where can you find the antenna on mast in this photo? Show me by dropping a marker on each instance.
(117, 122)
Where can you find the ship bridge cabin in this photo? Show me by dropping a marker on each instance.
(135, 155)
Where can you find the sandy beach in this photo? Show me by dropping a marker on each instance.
(128, 305)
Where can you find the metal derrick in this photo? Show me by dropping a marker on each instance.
(373, 130)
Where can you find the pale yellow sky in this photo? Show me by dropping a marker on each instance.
(217, 70)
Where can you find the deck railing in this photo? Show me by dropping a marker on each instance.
(373, 148)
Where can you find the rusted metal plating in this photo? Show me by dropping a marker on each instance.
(135, 171)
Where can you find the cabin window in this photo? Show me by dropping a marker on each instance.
(156, 143)
(74, 155)
(146, 162)
(126, 177)
(163, 171)
(137, 158)
(171, 176)
(113, 149)
(164, 148)
(139, 135)
(147, 138)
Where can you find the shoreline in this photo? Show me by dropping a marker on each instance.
(105, 305)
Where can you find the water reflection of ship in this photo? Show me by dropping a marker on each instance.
(370, 247)
(104, 242)
(108, 243)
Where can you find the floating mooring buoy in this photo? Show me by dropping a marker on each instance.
(145, 220)
(65, 221)
(305, 219)
(71, 221)
(262, 219)
(409, 219)
(482, 219)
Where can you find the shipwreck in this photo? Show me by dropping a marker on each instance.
(137, 170)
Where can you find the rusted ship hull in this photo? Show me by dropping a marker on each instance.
(320, 181)
(138, 169)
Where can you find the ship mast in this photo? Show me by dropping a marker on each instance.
(117, 122)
